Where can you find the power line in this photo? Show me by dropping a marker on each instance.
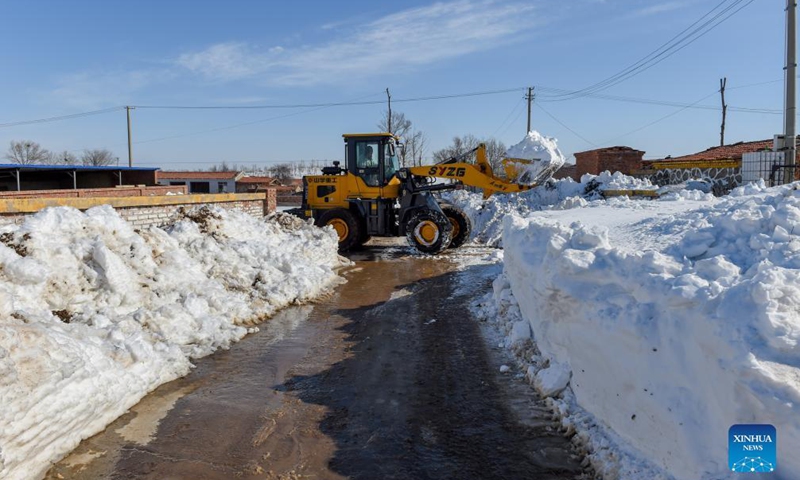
(325, 105)
(660, 119)
(666, 50)
(517, 104)
(565, 126)
(61, 117)
(519, 114)
(263, 120)
(667, 102)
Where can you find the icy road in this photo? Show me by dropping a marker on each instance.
(390, 377)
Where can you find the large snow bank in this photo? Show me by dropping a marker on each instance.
(676, 319)
(542, 155)
(94, 314)
(487, 215)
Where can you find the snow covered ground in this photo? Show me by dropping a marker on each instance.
(659, 324)
(487, 216)
(94, 314)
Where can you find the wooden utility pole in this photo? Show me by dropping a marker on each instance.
(529, 97)
(389, 119)
(722, 83)
(130, 149)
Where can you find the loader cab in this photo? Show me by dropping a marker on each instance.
(372, 157)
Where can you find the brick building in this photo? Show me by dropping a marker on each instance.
(614, 159)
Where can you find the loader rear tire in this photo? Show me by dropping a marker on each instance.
(346, 225)
(462, 227)
(429, 231)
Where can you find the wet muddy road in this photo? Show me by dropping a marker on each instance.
(390, 377)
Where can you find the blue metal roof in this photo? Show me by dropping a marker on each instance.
(14, 166)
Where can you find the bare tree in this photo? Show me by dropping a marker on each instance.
(415, 148)
(400, 124)
(225, 167)
(495, 153)
(281, 172)
(63, 158)
(27, 152)
(97, 157)
(461, 146)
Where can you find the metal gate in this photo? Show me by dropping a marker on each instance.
(768, 166)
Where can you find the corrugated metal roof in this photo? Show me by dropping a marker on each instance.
(15, 166)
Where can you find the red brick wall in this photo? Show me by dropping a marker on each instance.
(567, 171)
(586, 162)
(614, 159)
(271, 203)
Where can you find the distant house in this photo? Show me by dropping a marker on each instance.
(201, 182)
(254, 184)
(721, 166)
(732, 151)
(289, 185)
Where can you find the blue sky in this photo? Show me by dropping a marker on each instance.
(68, 57)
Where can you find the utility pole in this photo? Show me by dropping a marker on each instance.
(389, 120)
(722, 83)
(790, 107)
(529, 97)
(130, 149)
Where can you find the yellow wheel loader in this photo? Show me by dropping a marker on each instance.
(372, 196)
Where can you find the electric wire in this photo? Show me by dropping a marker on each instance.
(518, 104)
(325, 105)
(60, 117)
(661, 50)
(565, 126)
(254, 122)
(667, 49)
(512, 122)
(671, 103)
(659, 119)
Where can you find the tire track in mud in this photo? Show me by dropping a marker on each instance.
(388, 378)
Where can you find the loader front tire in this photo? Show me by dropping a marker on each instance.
(429, 231)
(462, 227)
(346, 225)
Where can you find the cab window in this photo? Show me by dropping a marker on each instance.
(367, 162)
(391, 164)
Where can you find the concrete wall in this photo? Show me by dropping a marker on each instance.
(723, 175)
(143, 211)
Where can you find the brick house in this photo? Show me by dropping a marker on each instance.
(614, 159)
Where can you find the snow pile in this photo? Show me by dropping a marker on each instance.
(675, 320)
(93, 314)
(542, 157)
(607, 453)
(487, 215)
